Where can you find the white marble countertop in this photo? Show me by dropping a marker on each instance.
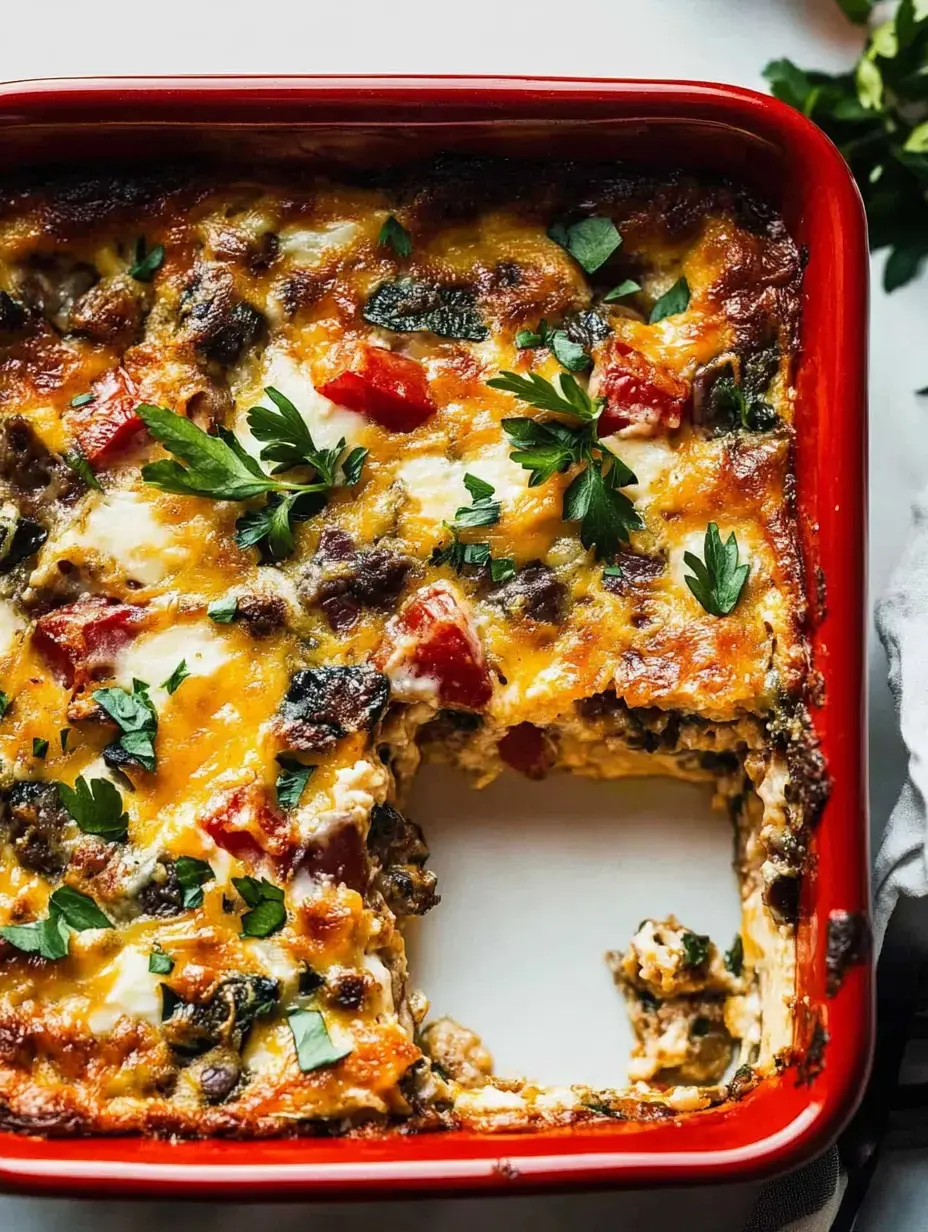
(721, 40)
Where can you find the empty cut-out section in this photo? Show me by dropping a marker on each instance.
(538, 880)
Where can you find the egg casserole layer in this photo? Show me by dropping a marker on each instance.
(303, 481)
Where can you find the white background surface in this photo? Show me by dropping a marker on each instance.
(723, 40)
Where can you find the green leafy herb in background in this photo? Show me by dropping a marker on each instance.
(548, 447)
(877, 115)
(718, 580)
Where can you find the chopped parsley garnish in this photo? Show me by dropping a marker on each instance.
(134, 714)
(734, 958)
(266, 900)
(591, 242)
(483, 511)
(177, 677)
(192, 874)
(146, 263)
(5, 703)
(409, 307)
(671, 302)
(717, 581)
(628, 287)
(224, 610)
(96, 807)
(569, 354)
(63, 736)
(39, 747)
(81, 399)
(314, 1047)
(394, 235)
(81, 467)
(549, 447)
(160, 963)
(695, 949)
(291, 781)
(50, 938)
(220, 468)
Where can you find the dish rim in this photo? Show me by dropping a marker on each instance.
(460, 1162)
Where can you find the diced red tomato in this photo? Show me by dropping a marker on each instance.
(527, 749)
(108, 423)
(434, 639)
(390, 389)
(84, 637)
(642, 398)
(245, 823)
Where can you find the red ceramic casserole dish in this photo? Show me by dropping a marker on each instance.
(782, 156)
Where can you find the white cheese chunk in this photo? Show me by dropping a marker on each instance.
(133, 991)
(327, 423)
(11, 624)
(154, 658)
(436, 485)
(123, 526)
(308, 246)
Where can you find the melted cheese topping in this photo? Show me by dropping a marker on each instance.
(263, 287)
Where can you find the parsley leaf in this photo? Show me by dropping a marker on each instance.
(568, 353)
(266, 900)
(695, 949)
(81, 467)
(291, 781)
(591, 242)
(192, 875)
(177, 677)
(220, 468)
(63, 738)
(484, 511)
(394, 235)
(39, 747)
(96, 807)
(50, 938)
(734, 958)
(606, 515)
(146, 264)
(718, 581)
(223, 611)
(671, 302)
(160, 963)
(5, 703)
(628, 287)
(569, 399)
(314, 1047)
(135, 715)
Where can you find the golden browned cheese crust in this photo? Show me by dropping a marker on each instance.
(267, 283)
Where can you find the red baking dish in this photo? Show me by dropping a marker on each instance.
(721, 129)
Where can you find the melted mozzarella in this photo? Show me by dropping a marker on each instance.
(11, 623)
(308, 246)
(327, 423)
(123, 526)
(436, 485)
(133, 991)
(154, 658)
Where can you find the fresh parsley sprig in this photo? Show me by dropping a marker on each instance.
(50, 938)
(97, 808)
(717, 582)
(220, 468)
(549, 447)
(877, 117)
(483, 511)
(135, 715)
(569, 354)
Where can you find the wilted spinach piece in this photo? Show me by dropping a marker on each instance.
(409, 307)
(226, 1018)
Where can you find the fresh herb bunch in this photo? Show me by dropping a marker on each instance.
(219, 467)
(548, 447)
(877, 115)
(717, 581)
(483, 511)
